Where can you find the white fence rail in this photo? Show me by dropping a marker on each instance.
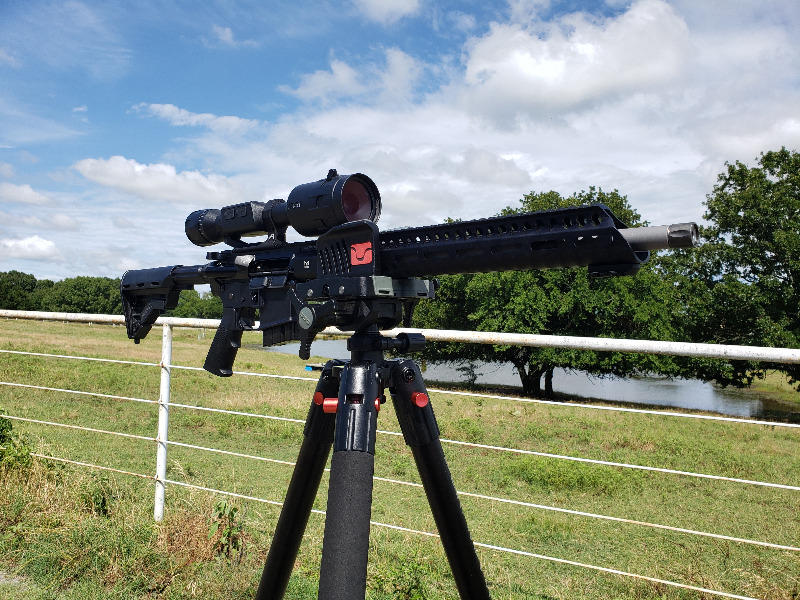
(723, 351)
(776, 355)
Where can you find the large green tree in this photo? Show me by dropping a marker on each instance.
(742, 286)
(559, 301)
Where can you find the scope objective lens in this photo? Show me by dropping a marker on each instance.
(357, 203)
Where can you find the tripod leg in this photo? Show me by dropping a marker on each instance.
(421, 433)
(343, 573)
(317, 441)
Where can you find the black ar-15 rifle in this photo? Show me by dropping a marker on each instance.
(355, 275)
(363, 280)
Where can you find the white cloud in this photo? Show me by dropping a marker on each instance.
(80, 109)
(63, 223)
(159, 182)
(28, 157)
(122, 222)
(387, 12)
(52, 222)
(751, 138)
(513, 71)
(341, 81)
(224, 35)
(400, 77)
(390, 83)
(19, 126)
(69, 35)
(182, 117)
(488, 167)
(33, 248)
(6, 170)
(8, 59)
(526, 11)
(461, 21)
(24, 194)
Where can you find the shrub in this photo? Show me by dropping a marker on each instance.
(15, 450)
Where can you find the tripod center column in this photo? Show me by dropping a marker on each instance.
(346, 542)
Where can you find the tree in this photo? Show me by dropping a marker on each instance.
(561, 301)
(38, 298)
(95, 295)
(195, 306)
(742, 286)
(16, 289)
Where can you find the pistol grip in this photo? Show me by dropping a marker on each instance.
(222, 352)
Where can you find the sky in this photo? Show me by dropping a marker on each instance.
(118, 119)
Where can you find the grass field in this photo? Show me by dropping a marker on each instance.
(72, 533)
(775, 387)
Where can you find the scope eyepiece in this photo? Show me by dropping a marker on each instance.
(312, 209)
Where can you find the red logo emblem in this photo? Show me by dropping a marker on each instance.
(361, 254)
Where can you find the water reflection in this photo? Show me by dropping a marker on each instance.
(677, 393)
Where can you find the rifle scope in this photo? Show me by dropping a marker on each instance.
(311, 209)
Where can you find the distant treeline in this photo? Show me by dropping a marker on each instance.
(94, 295)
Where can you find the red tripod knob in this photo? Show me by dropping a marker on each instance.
(329, 405)
(420, 399)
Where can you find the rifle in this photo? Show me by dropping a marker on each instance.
(354, 275)
(364, 280)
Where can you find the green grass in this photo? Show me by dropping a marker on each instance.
(72, 533)
(777, 388)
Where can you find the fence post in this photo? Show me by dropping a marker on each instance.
(163, 421)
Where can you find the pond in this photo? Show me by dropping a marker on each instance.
(655, 391)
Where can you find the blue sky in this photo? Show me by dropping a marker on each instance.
(117, 119)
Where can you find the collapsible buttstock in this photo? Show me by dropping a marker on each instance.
(141, 313)
(222, 353)
(148, 293)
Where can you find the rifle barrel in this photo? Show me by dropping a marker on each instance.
(661, 237)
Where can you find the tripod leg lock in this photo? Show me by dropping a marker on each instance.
(318, 424)
(420, 399)
(330, 405)
(412, 404)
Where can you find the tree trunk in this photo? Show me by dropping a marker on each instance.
(548, 383)
(530, 376)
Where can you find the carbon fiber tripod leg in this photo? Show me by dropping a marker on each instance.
(317, 441)
(418, 423)
(343, 572)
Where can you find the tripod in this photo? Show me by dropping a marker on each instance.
(343, 414)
